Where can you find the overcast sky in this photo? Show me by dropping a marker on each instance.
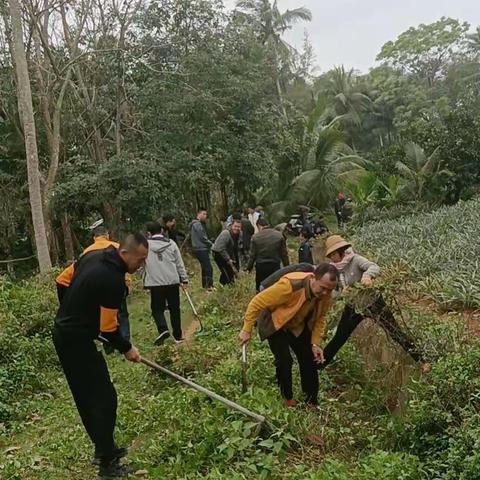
(352, 32)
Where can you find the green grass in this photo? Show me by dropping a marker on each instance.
(178, 433)
(379, 417)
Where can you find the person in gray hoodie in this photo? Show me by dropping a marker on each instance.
(163, 274)
(201, 246)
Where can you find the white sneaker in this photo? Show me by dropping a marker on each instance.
(179, 341)
(162, 337)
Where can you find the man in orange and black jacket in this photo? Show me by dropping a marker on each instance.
(291, 314)
(101, 241)
(88, 312)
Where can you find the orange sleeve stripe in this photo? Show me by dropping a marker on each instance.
(108, 319)
(65, 278)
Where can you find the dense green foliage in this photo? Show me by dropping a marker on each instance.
(168, 105)
(26, 354)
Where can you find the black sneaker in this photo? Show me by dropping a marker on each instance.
(118, 453)
(114, 469)
(162, 337)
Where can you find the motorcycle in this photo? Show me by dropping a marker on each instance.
(296, 224)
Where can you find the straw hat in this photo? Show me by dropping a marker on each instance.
(335, 242)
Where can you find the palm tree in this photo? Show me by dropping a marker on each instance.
(394, 188)
(418, 168)
(272, 24)
(364, 193)
(326, 161)
(348, 99)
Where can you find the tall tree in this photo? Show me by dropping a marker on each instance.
(26, 110)
(473, 42)
(426, 50)
(272, 24)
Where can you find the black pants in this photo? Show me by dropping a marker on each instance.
(280, 344)
(227, 276)
(339, 219)
(159, 297)
(264, 270)
(203, 256)
(379, 312)
(93, 392)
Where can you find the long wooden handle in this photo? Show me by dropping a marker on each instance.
(260, 419)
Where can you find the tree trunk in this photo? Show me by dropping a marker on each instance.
(26, 112)
(277, 83)
(67, 238)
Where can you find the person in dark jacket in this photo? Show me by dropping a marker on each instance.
(226, 252)
(320, 227)
(338, 207)
(88, 312)
(101, 240)
(305, 252)
(201, 246)
(268, 251)
(247, 233)
(170, 228)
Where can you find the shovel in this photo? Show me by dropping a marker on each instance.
(244, 368)
(194, 310)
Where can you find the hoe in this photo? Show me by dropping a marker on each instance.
(258, 419)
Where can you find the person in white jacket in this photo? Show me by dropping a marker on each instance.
(163, 274)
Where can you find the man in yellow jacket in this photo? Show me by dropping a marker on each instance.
(101, 241)
(291, 314)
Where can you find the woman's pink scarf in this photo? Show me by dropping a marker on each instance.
(348, 255)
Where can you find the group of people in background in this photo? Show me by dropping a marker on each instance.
(289, 309)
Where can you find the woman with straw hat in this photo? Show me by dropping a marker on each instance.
(355, 269)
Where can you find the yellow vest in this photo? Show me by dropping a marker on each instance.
(283, 301)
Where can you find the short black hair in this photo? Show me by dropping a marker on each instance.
(201, 209)
(237, 216)
(100, 231)
(136, 239)
(325, 268)
(153, 228)
(261, 222)
(168, 217)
